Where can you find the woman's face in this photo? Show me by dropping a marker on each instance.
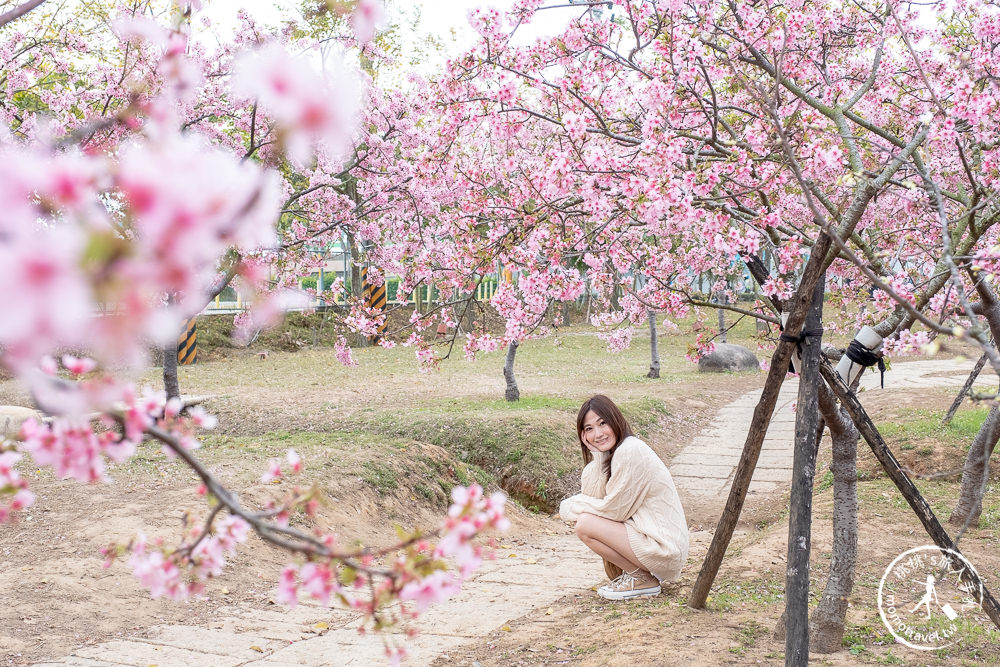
(597, 434)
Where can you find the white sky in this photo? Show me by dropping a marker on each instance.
(444, 19)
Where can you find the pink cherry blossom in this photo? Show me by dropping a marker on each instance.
(437, 587)
(307, 108)
(367, 16)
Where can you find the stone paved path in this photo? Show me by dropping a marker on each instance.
(706, 466)
(523, 578)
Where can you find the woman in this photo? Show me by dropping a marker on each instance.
(628, 512)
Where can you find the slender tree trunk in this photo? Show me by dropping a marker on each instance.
(975, 474)
(966, 388)
(654, 352)
(567, 305)
(722, 318)
(807, 425)
(171, 384)
(905, 485)
(511, 393)
(826, 627)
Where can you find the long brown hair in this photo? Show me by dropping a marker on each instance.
(606, 409)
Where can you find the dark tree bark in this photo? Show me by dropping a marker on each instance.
(654, 352)
(807, 431)
(966, 388)
(826, 627)
(511, 393)
(170, 382)
(975, 474)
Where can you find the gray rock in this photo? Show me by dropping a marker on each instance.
(728, 357)
(11, 417)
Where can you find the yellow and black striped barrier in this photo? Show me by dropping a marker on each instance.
(187, 344)
(375, 299)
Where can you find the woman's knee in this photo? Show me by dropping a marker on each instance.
(585, 526)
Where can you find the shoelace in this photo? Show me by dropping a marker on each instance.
(624, 582)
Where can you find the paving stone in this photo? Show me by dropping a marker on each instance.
(772, 475)
(757, 486)
(701, 485)
(699, 458)
(142, 654)
(346, 648)
(701, 470)
(547, 575)
(194, 638)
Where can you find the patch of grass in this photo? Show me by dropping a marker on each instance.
(758, 593)
(530, 447)
(297, 331)
(889, 659)
(826, 482)
(990, 518)
(750, 631)
(387, 464)
(920, 424)
(381, 477)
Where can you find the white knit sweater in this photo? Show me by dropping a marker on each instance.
(642, 495)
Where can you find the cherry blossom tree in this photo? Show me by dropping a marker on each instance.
(796, 140)
(131, 185)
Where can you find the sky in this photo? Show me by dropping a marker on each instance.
(445, 20)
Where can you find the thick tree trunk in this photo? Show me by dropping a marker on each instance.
(975, 474)
(966, 388)
(905, 485)
(826, 627)
(807, 431)
(511, 393)
(654, 352)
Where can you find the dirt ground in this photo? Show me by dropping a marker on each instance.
(57, 596)
(737, 625)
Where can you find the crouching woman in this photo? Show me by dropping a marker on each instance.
(628, 511)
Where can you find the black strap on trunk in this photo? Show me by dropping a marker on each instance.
(860, 354)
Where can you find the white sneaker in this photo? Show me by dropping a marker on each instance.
(630, 585)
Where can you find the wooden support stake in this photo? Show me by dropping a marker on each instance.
(807, 434)
(902, 481)
(758, 427)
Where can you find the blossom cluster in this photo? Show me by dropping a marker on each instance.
(75, 449)
(14, 493)
(418, 574)
(178, 574)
